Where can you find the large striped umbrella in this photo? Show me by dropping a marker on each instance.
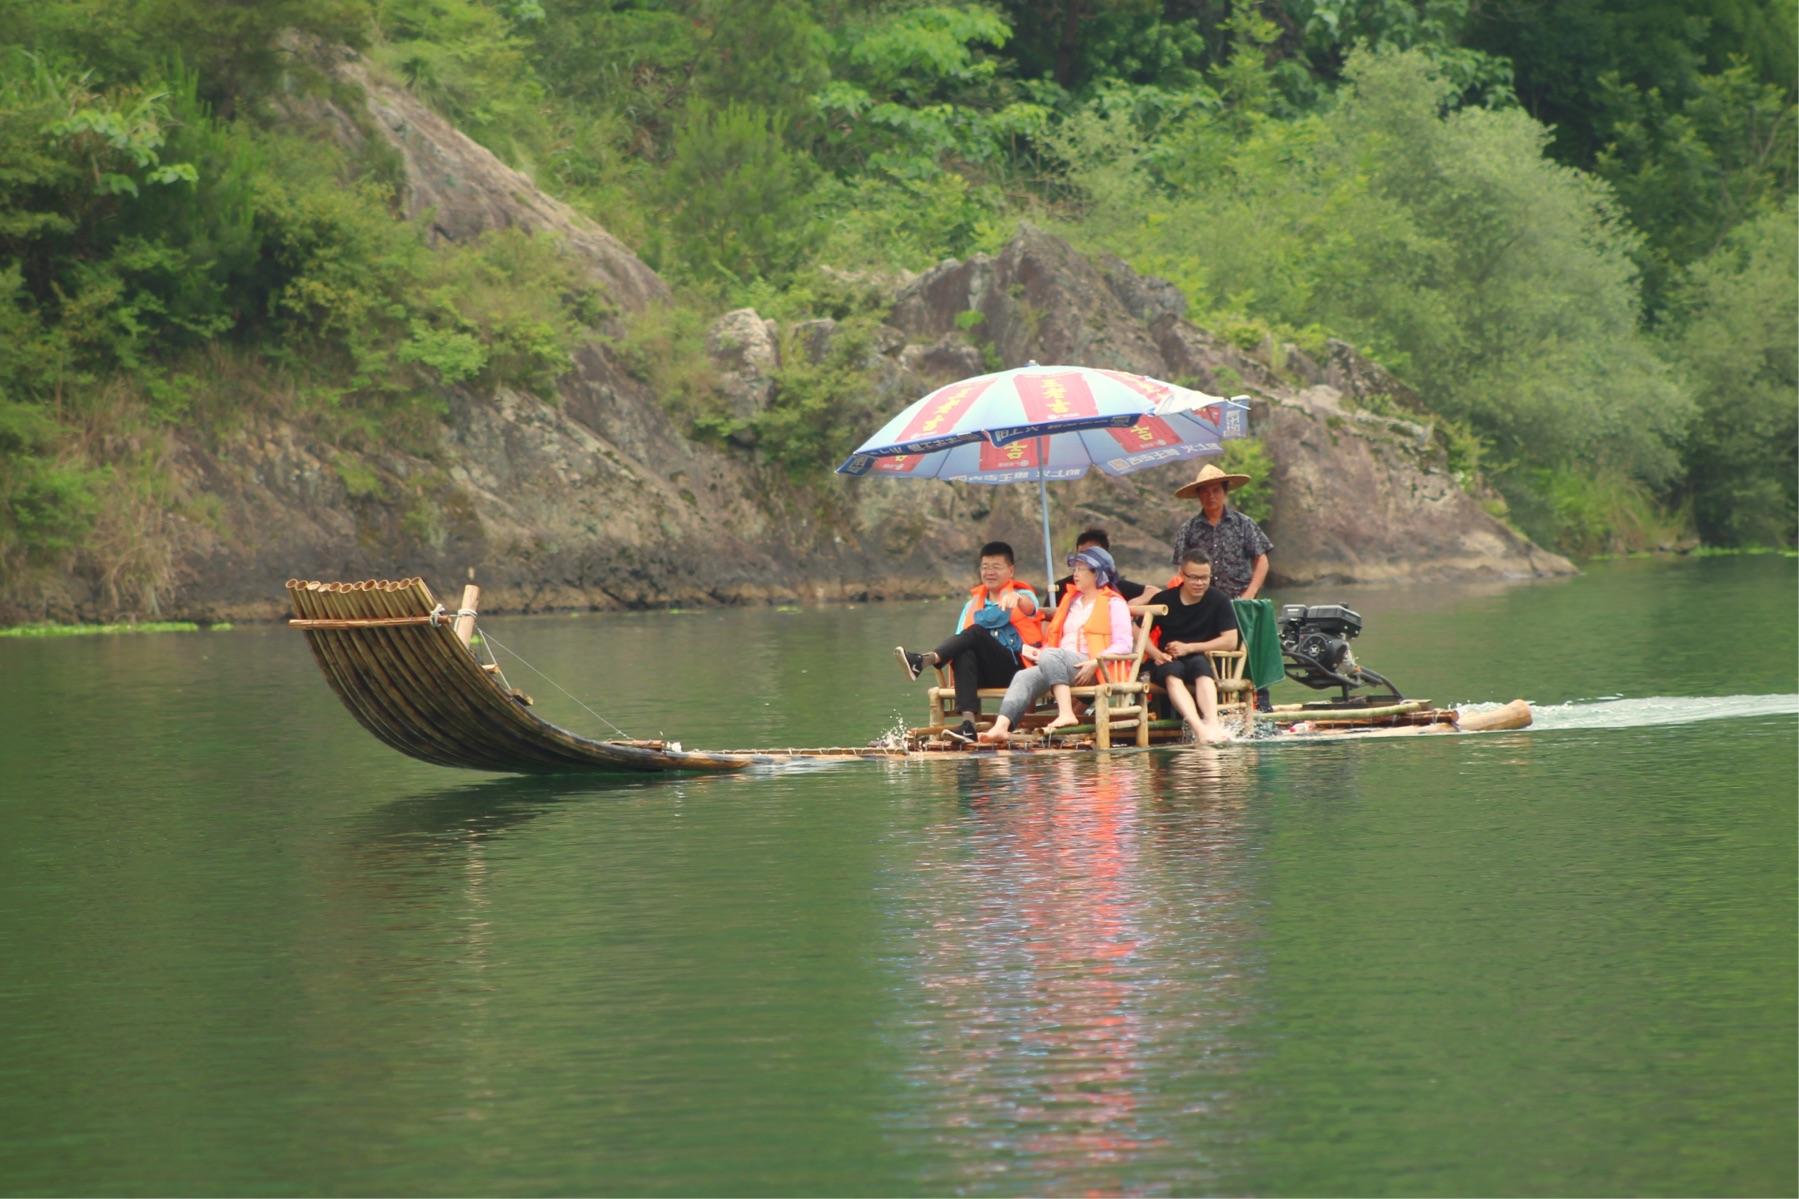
(1047, 422)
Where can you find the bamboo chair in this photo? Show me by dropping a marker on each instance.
(1120, 697)
(1236, 693)
(942, 698)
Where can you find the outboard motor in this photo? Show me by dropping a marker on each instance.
(1315, 642)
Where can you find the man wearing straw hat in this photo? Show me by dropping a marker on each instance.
(1236, 545)
(1238, 550)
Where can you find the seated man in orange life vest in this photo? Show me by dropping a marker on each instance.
(1000, 618)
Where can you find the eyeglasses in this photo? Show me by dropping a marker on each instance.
(1206, 578)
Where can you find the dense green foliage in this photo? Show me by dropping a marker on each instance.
(1570, 225)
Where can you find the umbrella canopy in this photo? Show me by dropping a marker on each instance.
(1150, 440)
(1047, 422)
(1008, 406)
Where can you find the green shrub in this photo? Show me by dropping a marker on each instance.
(469, 63)
(1586, 513)
(506, 309)
(665, 347)
(25, 429)
(1465, 450)
(817, 408)
(1227, 380)
(737, 197)
(53, 507)
(1245, 335)
(358, 477)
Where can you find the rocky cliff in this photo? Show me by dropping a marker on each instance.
(594, 498)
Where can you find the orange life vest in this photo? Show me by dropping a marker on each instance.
(1099, 621)
(1029, 624)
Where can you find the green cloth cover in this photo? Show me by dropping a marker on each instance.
(1261, 637)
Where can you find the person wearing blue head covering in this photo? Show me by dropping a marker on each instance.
(1092, 620)
(1097, 536)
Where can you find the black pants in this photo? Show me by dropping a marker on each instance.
(979, 661)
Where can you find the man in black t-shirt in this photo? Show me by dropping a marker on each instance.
(1199, 619)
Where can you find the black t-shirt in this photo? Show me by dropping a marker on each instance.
(1211, 617)
(1123, 586)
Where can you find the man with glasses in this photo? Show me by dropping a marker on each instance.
(1000, 618)
(1199, 620)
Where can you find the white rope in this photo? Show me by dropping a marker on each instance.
(489, 637)
(440, 614)
(487, 653)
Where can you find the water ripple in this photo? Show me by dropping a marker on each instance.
(1650, 711)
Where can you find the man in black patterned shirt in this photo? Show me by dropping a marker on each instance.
(1235, 544)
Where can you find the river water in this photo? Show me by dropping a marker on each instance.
(245, 949)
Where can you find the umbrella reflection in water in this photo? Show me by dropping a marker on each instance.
(1063, 986)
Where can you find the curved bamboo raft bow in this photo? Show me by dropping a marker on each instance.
(403, 666)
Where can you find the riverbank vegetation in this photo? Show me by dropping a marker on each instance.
(1569, 224)
(92, 630)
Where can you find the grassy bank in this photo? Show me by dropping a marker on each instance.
(91, 630)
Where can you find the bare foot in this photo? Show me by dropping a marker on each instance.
(993, 737)
(1215, 735)
(1062, 722)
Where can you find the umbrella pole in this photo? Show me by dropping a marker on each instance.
(1049, 568)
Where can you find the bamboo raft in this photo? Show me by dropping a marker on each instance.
(404, 667)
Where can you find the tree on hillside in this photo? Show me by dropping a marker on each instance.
(233, 47)
(1734, 330)
(1685, 106)
(1690, 174)
(1079, 43)
(1500, 283)
(1571, 56)
(735, 194)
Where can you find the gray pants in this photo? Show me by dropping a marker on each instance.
(1055, 666)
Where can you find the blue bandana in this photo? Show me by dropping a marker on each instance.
(1104, 568)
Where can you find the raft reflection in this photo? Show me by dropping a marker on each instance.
(1084, 958)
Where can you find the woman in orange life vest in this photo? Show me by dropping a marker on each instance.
(1092, 619)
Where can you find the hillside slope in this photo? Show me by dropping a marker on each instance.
(594, 497)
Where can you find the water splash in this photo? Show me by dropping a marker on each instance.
(894, 736)
(1614, 712)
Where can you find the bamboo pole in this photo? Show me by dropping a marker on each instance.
(465, 620)
(1344, 715)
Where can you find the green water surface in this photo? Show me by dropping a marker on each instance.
(245, 949)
